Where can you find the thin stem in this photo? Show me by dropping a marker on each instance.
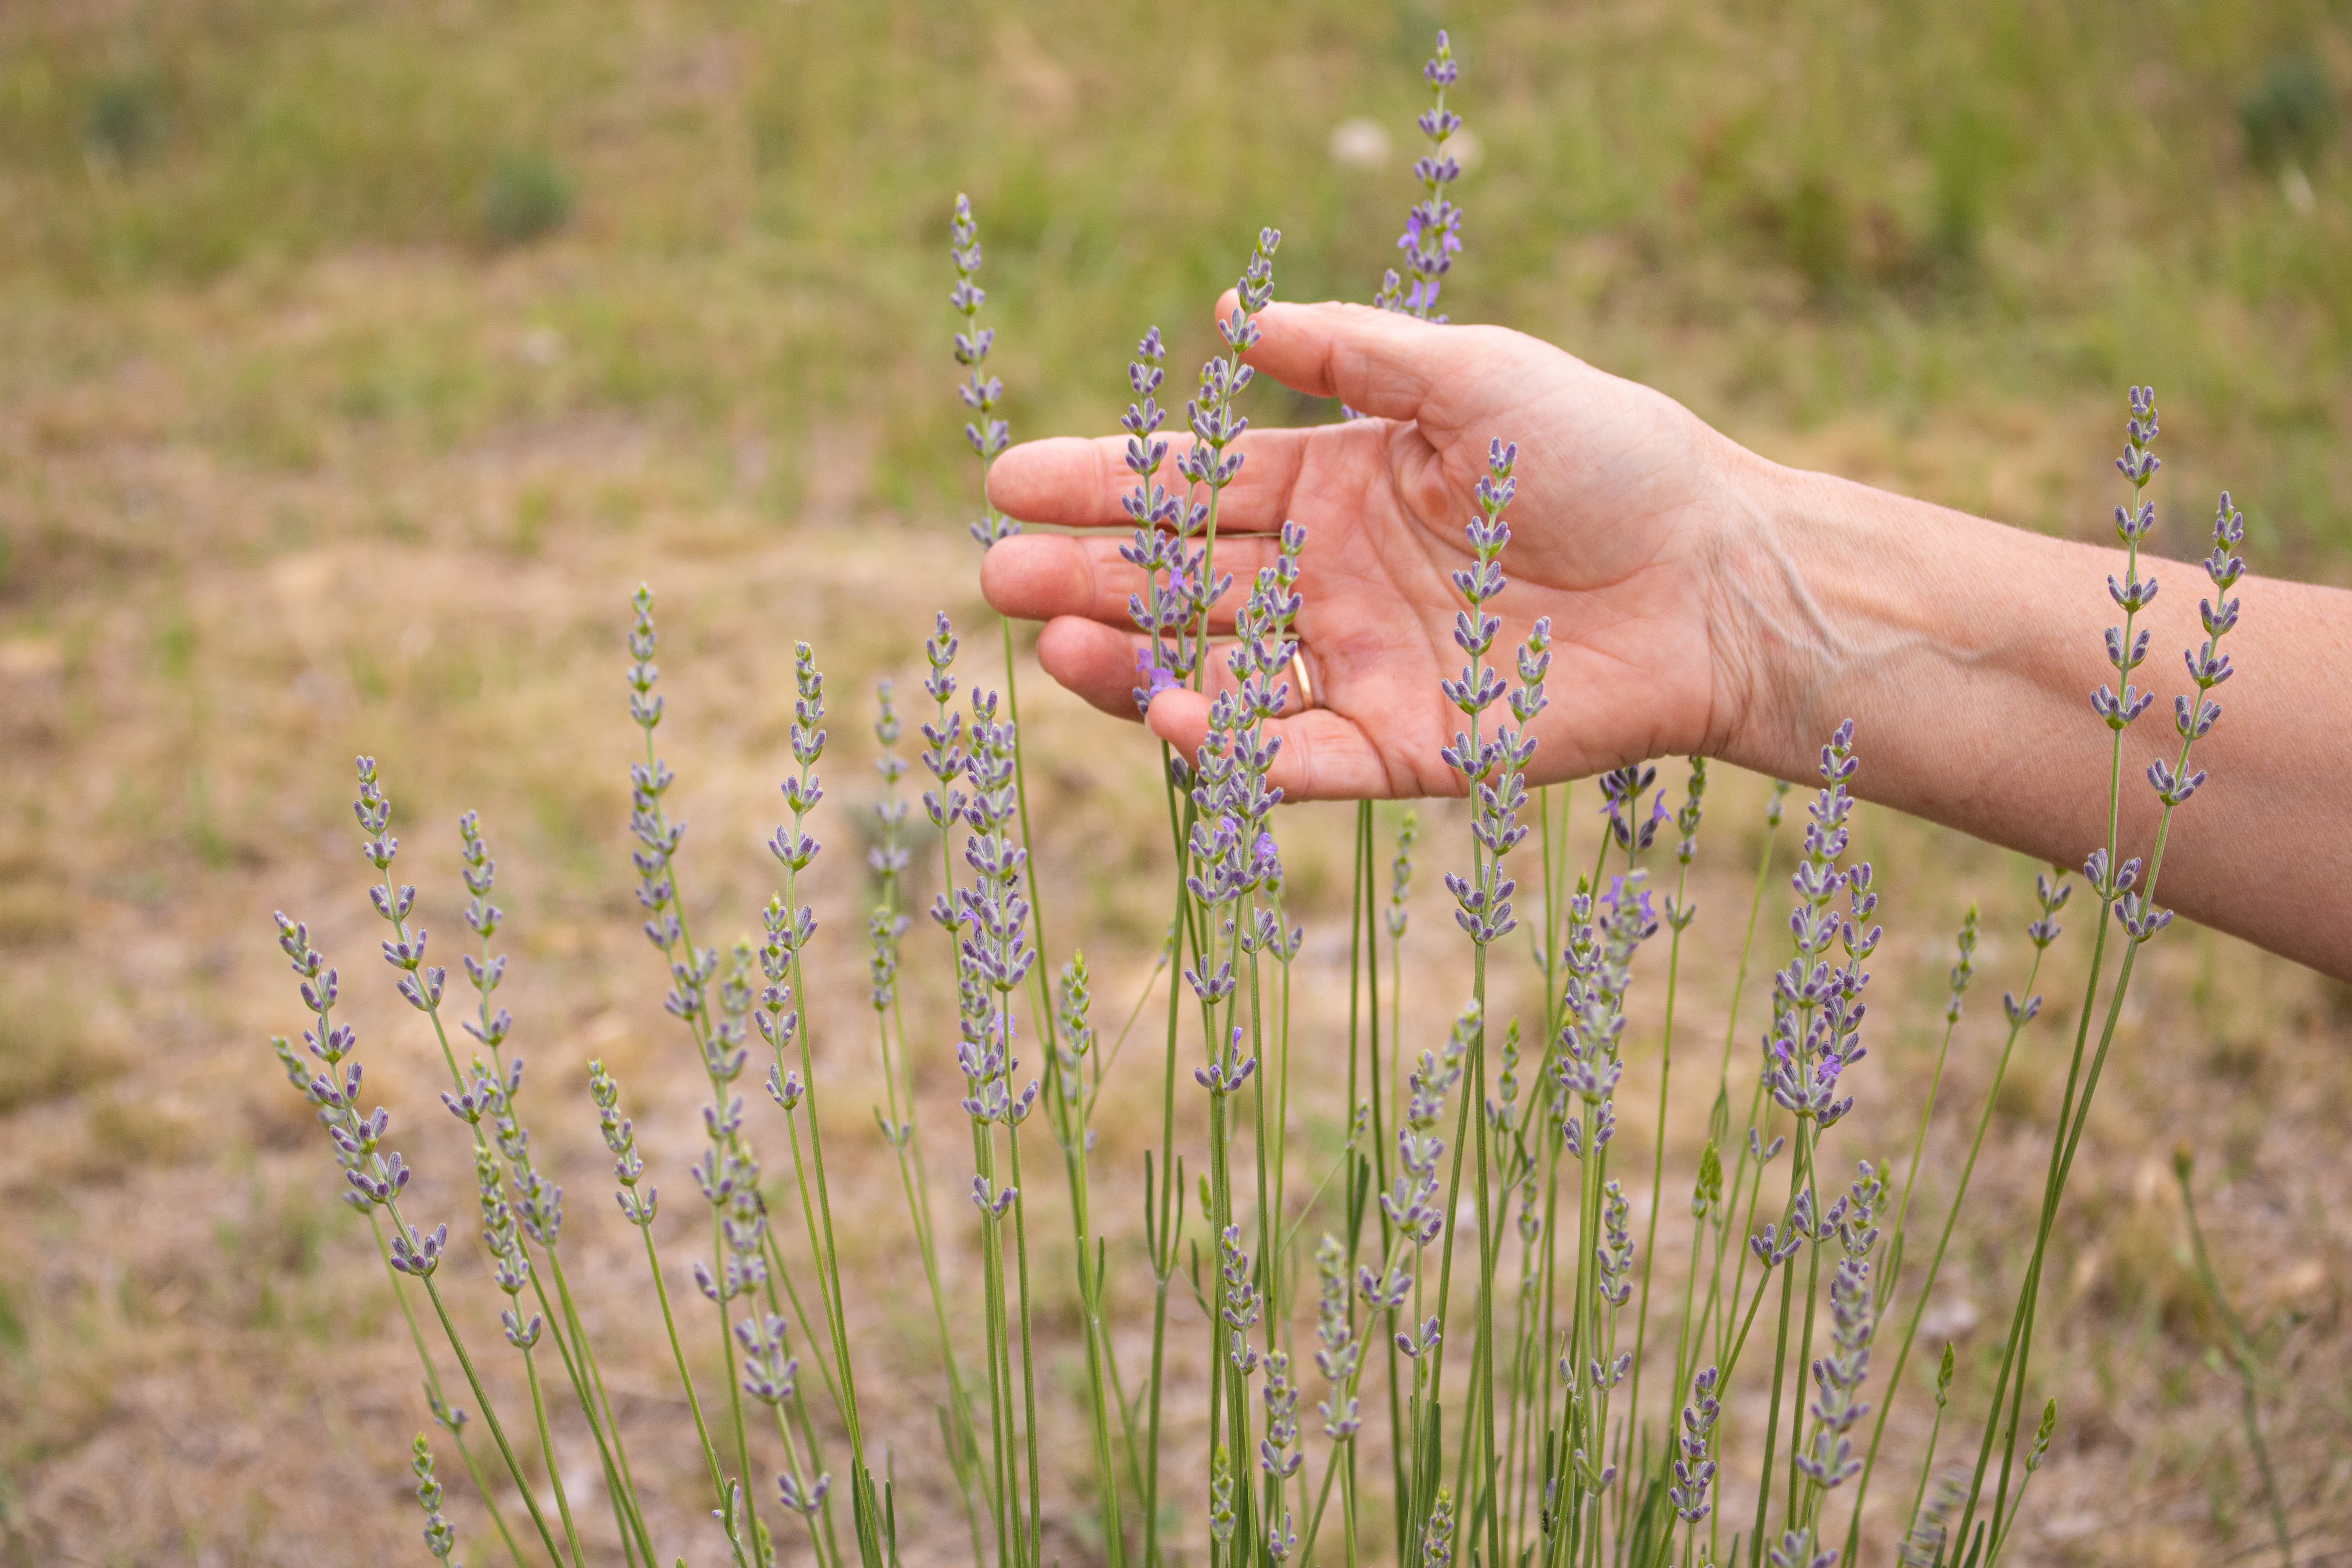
(432, 1388)
(2019, 1339)
(481, 1398)
(2019, 1018)
(817, 1540)
(914, 1182)
(1044, 1003)
(390, 907)
(734, 1384)
(685, 1378)
(1028, 1350)
(2240, 1344)
(1927, 1467)
(991, 1254)
(547, 1450)
(1658, 1150)
(1799, 1179)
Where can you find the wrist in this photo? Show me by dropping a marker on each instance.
(1758, 580)
(1824, 602)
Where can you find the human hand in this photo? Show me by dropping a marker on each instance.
(1625, 500)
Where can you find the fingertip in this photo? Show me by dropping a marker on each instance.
(1033, 577)
(1067, 646)
(1370, 357)
(1180, 718)
(1092, 660)
(1047, 481)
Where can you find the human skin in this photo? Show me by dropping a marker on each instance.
(1706, 601)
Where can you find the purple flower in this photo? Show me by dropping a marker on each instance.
(1156, 678)
(1817, 1009)
(1433, 228)
(981, 392)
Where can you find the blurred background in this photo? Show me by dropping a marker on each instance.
(358, 357)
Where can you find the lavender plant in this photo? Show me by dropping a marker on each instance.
(1531, 1414)
(2238, 1343)
(1433, 229)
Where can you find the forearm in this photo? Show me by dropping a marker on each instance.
(1967, 652)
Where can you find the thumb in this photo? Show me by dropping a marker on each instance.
(1376, 362)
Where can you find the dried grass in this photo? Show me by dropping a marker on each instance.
(393, 499)
(200, 1360)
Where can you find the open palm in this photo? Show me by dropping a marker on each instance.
(1623, 499)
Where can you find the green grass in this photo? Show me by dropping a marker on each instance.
(1790, 215)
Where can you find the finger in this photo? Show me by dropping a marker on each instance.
(1091, 660)
(1099, 664)
(1323, 755)
(1376, 362)
(1039, 576)
(1070, 482)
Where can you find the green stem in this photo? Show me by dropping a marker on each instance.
(547, 1450)
(432, 1386)
(818, 1541)
(685, 1378)
(1926, 1468)
(589, 1392)
(828, 1261)
(1658, 1154)
(1074, 1156)
(2019, 1339)
(1475, 1092)
(2241, 1357)
(914, 1182)
(489, 1415)
(1047, 1025)
(779, 1274)
(1935, 1263)
(734, 1384)
(1028, 1350)
(1799, 1179)
(1000, 1437)
(624, 1498)
(615, 1459)
(1163, 1227)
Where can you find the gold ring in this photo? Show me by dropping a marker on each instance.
(1298, 673)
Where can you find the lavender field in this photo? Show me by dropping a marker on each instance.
(361, 361)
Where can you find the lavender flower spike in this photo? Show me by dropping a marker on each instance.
(1339, 1351)
(1433, 229)
(981, 392)
(1215, 427)
(1795, 1551)
(994, 912)
(1493, 771)
(1401, 874)
(1586, 1064)
(1163, 522)
(1817, 1003)
(375, 1176)
(2194, 718)
(1278, 1454)
(1694, 1470)
(2133, 524)
(1831, 1460)
(440, 1536)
